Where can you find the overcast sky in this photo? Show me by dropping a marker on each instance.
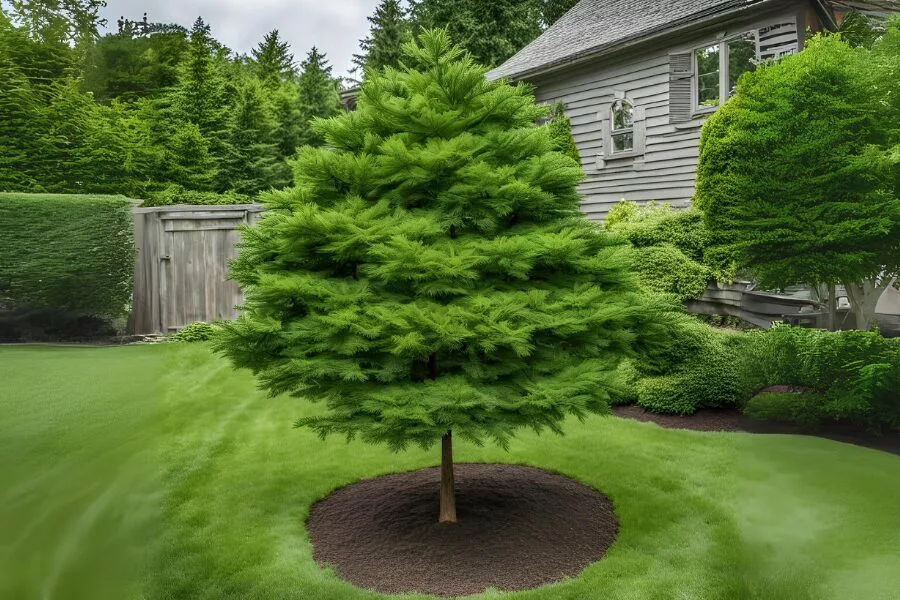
(334, 26)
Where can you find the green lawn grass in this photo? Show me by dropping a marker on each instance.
(201, 486)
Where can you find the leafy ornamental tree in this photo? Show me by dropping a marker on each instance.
(490, 31)
(383, 46)
(799, 172)
(273, 61)
(317, 96)
(59, 20)
(431, 274)
(554, 10)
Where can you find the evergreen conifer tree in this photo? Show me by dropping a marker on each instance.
(431, 276)
(491, 31)
(286, 111)
(201, 96)
(561, 132)
(273, 61)
(187, 160)
(251, 162)
(383, 46)
(317, 96)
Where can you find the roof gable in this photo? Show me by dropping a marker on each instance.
(594, 25)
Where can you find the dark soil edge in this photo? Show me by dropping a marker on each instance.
(729, 419)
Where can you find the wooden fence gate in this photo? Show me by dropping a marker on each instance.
(181, 272)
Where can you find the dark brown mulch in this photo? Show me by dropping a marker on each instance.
(518, 528)
(734, 420)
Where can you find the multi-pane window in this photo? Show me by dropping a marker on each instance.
(708, 75)
(720, 66)
(622, 129)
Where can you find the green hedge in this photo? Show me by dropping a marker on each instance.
(71, 253)
(176, 194)
(856, 372)
(702, 367)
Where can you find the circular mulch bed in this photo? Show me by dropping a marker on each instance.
(517, 528)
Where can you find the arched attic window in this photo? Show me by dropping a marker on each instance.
(622, 126)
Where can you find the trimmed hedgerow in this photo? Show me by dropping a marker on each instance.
(176, 194)
(72, 253)
(858, 372)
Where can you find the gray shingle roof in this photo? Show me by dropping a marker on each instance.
(593, 26)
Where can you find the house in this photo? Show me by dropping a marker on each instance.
(638, 78)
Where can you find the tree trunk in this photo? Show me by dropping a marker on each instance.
(448, 492)
(864, 297)
(832, 307)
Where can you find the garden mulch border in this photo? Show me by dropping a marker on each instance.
(733, 420)
(518, 528)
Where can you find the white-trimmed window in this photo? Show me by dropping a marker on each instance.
(718, 68)
(623, 129)
(703, 78)
(621, 126)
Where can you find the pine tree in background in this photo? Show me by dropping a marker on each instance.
(19, 120)
(554, 9)
(201, 96)
(288, 123)
(490, 31)
(187, 160)
(251, 162)
(317, 96)
(431, 276)
(383, 46)
(273, 61)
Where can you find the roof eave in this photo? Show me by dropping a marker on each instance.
(626, 43)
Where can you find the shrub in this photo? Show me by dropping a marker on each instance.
(657, 224)
(198, 331)
(802, 408)
(68, 253)
(670, 246)
(701, 367)
(176, 194)
(666, 269)
(857, 371)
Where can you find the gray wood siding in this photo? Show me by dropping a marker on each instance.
(181, 270)
(667, 169)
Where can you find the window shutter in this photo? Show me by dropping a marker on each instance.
(681, 77)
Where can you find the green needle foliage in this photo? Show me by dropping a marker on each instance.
(383, 47)
(431, 271)
(317, 95)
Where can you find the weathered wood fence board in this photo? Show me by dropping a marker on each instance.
(181, 271)
(181, 276)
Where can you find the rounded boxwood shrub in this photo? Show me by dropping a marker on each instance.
(198, 331)
(701, 367)
(666, 269)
